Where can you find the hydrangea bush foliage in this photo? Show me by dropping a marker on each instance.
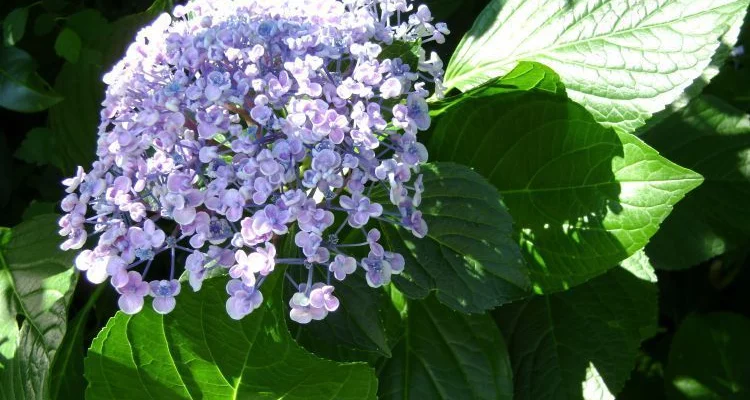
(298, 199)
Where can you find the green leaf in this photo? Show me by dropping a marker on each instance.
(37, 208)
(581, 343)
(727, 42)
(197, 351)
(68, 45)
(732, 84)
(75, 122)
(468, 257)
(408, 52)
(357, 325)
(712, 138)
(582, 197)
(44, 24)
(708, 358)
(21, 89)
(91, 27)
(447, 355)
(14, 26)
(623, 61)
(67, 381)
(38, 147)
(36, 283)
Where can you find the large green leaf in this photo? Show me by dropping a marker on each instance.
(582, 197)
(22, 89)
(468, 256)
(36, 283)
(708, 358)
(447, 355)
(623, 60)
(197, 351)
(581, 343)
(712, 138)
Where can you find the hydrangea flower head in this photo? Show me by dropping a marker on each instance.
(232, 125)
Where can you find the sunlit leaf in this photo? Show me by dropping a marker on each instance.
(622, 60)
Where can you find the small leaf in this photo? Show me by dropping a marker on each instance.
(21, 89)
(14, 26)
(582, 197)
(197, 351)
(44, 24)
(38, 147)
(622, 60)
(36, 283)
(708, 358)
(68, 45)
(468, 256)
(581, 343)
(713, 138)
(447, 355)
(90, 26)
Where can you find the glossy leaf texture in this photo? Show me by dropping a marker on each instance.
(620, 59)
(197, 351)
(708, 358)
(444, 354)
(582, 197)
(582, 343)
(712, 138)
(36, 283)
(21, 88)
(468, 257)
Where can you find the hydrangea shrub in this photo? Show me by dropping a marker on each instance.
(297, 199)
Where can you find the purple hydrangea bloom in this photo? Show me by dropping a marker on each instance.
(239, 122)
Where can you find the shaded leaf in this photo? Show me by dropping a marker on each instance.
(581, 343)
(21, 89)
(38, 147)
(708, 358)
(582, 197)
(468, 257)
(447, 355)
(68, 45)
(357, 325)
(712, 138)
(44, 24)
